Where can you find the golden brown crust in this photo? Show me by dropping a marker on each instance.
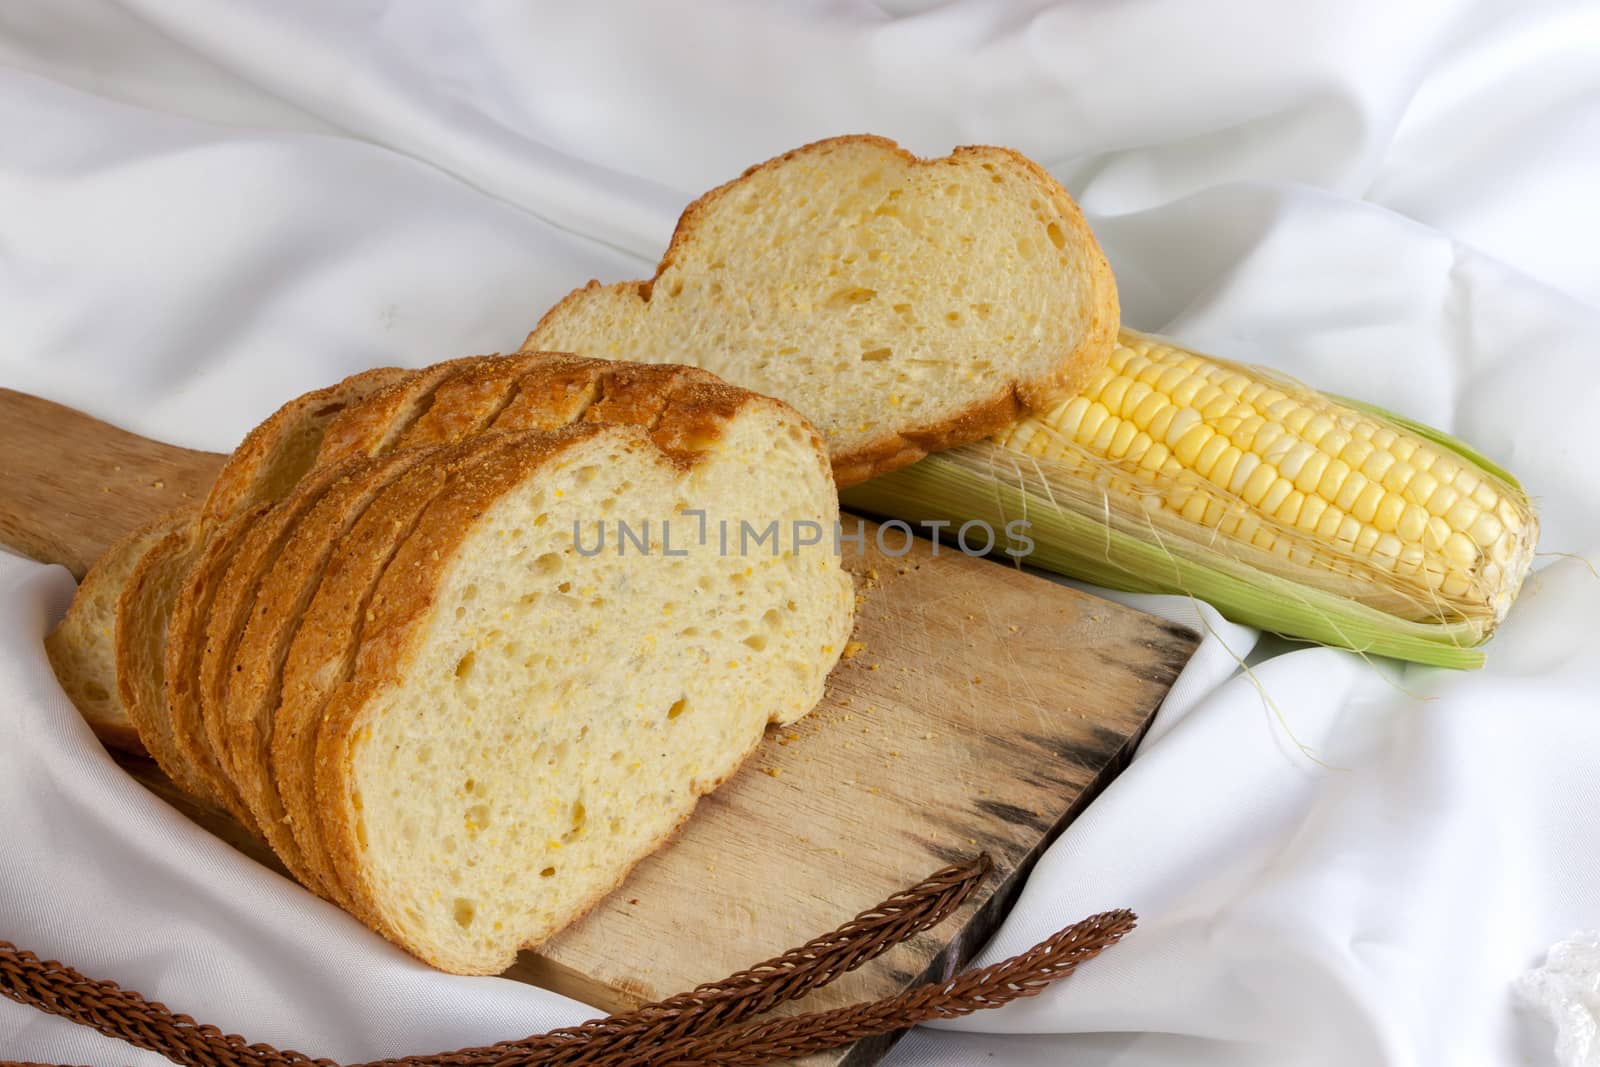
(281, 597)
(556, 391)
(142, 613)
(378, 421)
(468, 399)
(274, 454)
(235, 603)
(190, 621)
(989, 412)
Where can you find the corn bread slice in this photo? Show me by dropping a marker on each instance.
(902, 305)
(555, 388)
(323, 645)
(524, 721)
(143, 611)
(83, 646)
(191, 620)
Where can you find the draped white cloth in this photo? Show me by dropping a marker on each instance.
(207, 207)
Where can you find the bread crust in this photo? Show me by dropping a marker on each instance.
(468, 399)
(189, 622)
(141, 631)
(233, 607)
(373, 426)
(991, 409)
(261, 469)
(556, 391)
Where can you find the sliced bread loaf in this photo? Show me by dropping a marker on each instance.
(520, 706)
(903, 305)
(83, 647)
(555, 389)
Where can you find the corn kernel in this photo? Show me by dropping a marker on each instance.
(1248, 463)
(1206, 459)
(1366, 505)
(1310, 475)
(1256, 486)
(1388, 513)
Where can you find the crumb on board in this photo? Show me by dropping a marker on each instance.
(852, 649)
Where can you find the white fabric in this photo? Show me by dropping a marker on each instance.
(206, 207)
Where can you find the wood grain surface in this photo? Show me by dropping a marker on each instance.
(979, 709)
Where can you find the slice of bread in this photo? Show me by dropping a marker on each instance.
(903, 305)
(190, 624)
(273, 456)
(83, 647)
(525, 722)
(143, 611)
(324, 644)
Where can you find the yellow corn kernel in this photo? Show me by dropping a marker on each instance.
(1243, 458)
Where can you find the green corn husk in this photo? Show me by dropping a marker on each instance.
(1081, 530)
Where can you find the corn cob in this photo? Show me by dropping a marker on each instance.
(1308, 515)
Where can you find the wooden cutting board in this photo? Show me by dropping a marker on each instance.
(981, 710)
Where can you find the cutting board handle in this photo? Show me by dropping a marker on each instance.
(71, 484)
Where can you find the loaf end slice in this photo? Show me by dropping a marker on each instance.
(83, 647)
(487, 773)
(903, 305)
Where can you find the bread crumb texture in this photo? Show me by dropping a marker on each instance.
(554, 715)
(902, 305)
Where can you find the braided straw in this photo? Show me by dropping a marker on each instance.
(704, 1026)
